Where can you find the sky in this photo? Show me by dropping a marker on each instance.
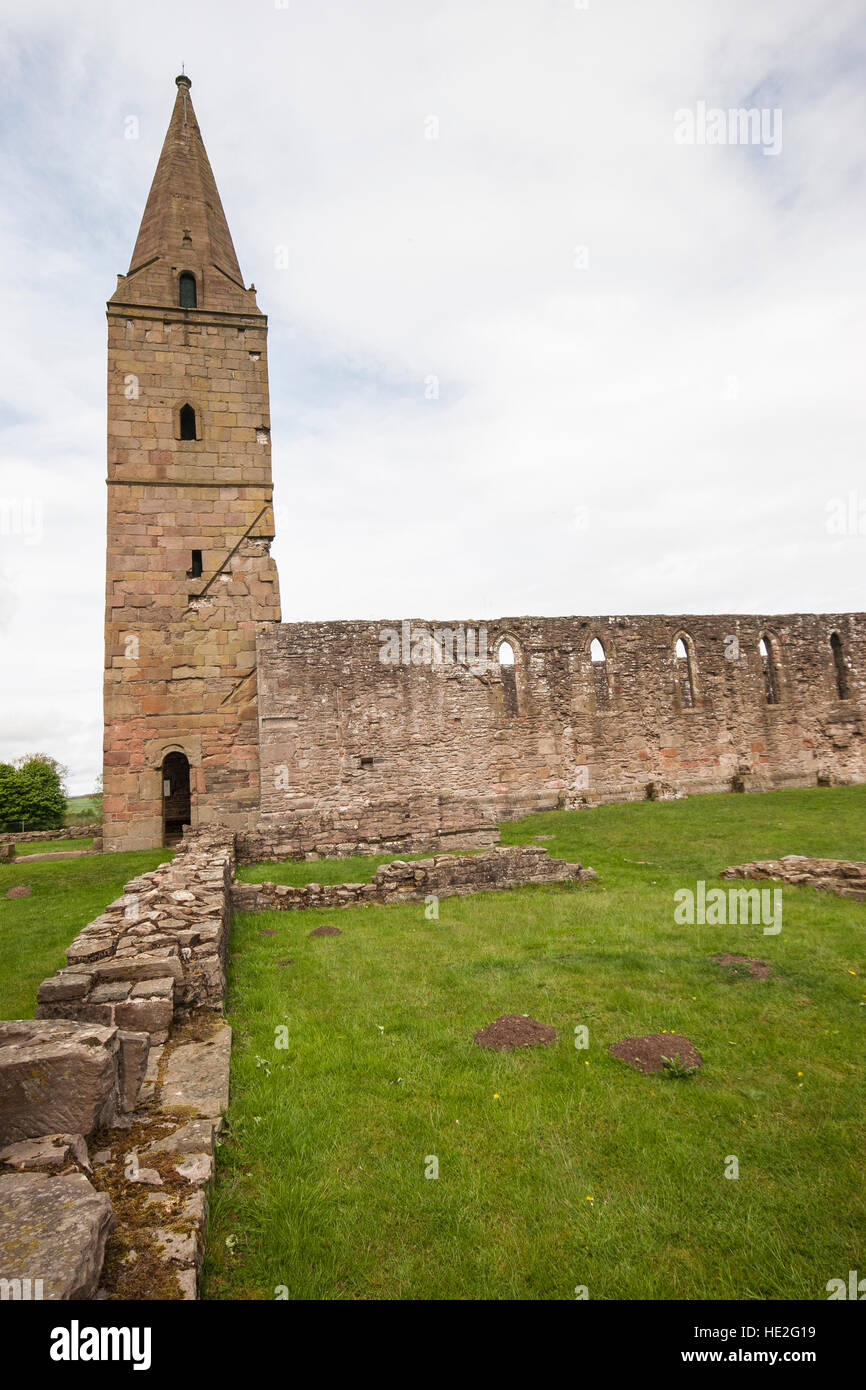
(538, 342)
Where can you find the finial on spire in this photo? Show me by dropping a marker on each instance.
(183, 80)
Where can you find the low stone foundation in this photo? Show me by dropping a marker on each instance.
(122, 1081)
(156, 952)
(847, 877)
(446, 876)
(68, 832)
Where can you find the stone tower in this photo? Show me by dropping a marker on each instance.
(190, 521)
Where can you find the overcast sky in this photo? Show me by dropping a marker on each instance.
(648, 354)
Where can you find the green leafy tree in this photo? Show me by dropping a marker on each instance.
(32, 793)
(10, 798)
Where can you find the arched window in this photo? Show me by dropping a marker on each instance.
(508, 676)
(768, 666)
(187, 422)
(684, 673)
(842, 689)
(598, 657)
(187, 291)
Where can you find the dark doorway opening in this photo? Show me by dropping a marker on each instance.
(176, 796)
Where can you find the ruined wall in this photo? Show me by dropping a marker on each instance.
(71, 832)
(847, 877)
(345, 731)
(111, 1098)
(446, 876)
(156, 952)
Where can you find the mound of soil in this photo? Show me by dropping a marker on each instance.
(744, 965)
(515, 1030)
(646, 1053)
(20, 890)
(325, 931)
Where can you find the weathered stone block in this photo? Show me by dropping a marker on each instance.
(48, 1151)
(154, 989)
(56, 1077)
(197, 1075)
(53, 1229)
(144, 1015)
(58, 988)
(132, 1066)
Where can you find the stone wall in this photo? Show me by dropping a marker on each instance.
(111, 1099)
(349, 740)
(847, 877)
(423, 824)
(69, 832)
(157, 951)
(447, 876)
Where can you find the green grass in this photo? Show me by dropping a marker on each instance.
(321, 1184)
(35, 931)
(85, 808)
(53, 846)
(360, 868)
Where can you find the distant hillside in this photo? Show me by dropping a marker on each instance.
(84, 809)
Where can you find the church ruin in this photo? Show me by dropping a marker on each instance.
(334, 736)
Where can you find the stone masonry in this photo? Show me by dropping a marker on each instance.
(190, 519)
(111, 1099)
(300, 736)
(344, 735)
(847, 877)
(156, 952)
(69, 832)
(447, 876)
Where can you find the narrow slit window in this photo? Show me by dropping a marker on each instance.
(601, 685)
(187, 422)
(508, 677)
(187, 289)
(685, 675)
(842, 689)
(768, 666)
(195, 569)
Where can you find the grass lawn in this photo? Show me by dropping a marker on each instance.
(558, 1167)
(53, 846)
(359, 869)
(35, 931)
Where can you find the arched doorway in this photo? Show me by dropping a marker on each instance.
(176, 798)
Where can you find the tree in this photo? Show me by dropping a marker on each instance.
(32, 793)
(10, 798)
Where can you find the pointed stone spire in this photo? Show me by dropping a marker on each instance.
(184, 228)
